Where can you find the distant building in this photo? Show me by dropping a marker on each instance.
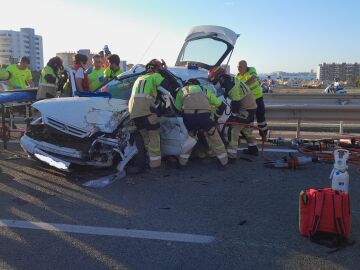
(15, 44)
(123, 65)
(67, 58)
(304, 76)
(344, 72)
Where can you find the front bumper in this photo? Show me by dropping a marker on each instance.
(36, 149)
(56, 156)
(32, 146)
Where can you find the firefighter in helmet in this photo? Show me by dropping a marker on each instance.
(49, 78)
(243, 108)
(144, 110)
(194, 102)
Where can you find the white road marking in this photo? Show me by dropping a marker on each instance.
(106, 231)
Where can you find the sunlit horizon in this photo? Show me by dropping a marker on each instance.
(281, 36)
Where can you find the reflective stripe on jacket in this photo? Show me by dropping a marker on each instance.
(241, 95)
(47, 71)
(144, 94)
(196, 97)
(255, 87)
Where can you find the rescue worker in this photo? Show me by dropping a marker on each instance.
(113, 70)
(143, 111)
(195, 101)
(49, 77)
(21, 76)
(249, 76)
(4, 75)
(104, 62)
(243, 108)
(104, 54)
(81, 79)
(106, 51)
(95, 73)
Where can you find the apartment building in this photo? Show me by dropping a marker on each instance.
(67, 58)
(15, 44)
(344, 72)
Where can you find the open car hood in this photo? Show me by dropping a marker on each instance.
(207, 46)
(82, 116)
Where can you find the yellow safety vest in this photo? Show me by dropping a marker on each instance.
(255, 87)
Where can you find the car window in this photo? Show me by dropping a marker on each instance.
(198, 51)
(120, 88)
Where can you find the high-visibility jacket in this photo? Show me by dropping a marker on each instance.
(95, 77)
(4, 74)
(48, 83)
(255, 86)
(47, 71)
(19, 77)
(144, 94)
(109, 74)
(240, 95)
(196, 97)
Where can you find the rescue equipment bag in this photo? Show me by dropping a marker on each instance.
(324, 216)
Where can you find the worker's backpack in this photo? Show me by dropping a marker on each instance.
(325, 216)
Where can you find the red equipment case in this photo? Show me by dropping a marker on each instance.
(324, 211)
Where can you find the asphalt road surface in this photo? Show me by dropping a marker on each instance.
(244, 217)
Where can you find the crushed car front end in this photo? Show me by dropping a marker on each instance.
(97, 140)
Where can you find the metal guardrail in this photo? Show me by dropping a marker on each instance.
(312, 98)
(313, 107)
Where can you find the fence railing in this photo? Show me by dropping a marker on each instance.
(313, 107)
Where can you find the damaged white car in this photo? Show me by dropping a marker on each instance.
(95, 129)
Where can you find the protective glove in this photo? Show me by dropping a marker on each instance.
(220, 110)
(50, 78)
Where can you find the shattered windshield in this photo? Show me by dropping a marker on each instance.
(120, 89)
(205, 50)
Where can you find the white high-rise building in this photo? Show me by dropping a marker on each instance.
(15, 44)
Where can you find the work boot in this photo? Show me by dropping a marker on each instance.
(221, 167)
(252, 150)
(157, 170)
(231, 160)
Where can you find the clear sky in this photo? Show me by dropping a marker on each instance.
(274, 35)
